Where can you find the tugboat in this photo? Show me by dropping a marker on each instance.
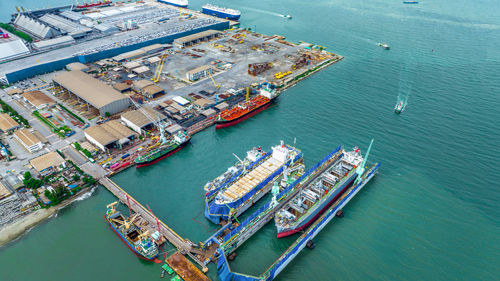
(384, 45)
(137, 240)
(400, 106)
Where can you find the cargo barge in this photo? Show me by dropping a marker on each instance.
(140, 242)
(239, 195)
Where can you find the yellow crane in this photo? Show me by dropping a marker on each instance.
(215, 83)
(159, 67)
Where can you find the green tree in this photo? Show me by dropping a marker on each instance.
(107, 114)
(27, 175)
(76, 177)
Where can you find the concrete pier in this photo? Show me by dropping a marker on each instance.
(183, 245)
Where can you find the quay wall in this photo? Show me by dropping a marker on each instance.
(61, 64)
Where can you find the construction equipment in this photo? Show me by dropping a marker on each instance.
(280, 74)
(159, 67)
(215, 83)
(243, 38)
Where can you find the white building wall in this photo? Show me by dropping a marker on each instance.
(94, 142)
(132, 125)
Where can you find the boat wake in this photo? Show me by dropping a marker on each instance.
(264, 12)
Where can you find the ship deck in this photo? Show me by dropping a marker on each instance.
(243, 185)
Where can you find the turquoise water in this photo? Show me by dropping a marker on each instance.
(432, 211)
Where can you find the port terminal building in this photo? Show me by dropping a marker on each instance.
(92, 91)
(112, 134)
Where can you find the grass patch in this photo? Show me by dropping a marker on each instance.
(18, 33)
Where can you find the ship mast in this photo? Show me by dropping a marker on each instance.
(361, 169)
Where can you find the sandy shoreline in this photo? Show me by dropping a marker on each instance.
(18, 228)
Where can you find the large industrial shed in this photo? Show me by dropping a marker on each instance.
(96, 93)
(139, 122)
(109, 135)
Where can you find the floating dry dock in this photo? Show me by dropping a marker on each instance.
(184, 268)
(241, 233)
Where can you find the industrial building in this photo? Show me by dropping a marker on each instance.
(28, 140)
(35, 27)
(122, 87)
(196, 38)
(66, 27)
(139, 122)
(53, 43)
(48, 163)
(38, 99)
(109, 135)
(199, 72)
(93, 91)
(11, 48)
(4, 191)
(140, 52)
(7, 123)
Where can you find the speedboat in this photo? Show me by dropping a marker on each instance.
(400, 106)
(287, 17)
(384, 45)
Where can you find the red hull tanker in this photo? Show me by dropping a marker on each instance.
(245, 110)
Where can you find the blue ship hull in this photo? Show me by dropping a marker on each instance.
(215, 212)
(220, 14)
(173, 4)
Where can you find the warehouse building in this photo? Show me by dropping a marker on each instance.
(28, 140)
(68, 27)
(53, 43)
(7, 123)
(139, 122)
(12, 48)
(196, 38)
(199, 72)
(48, 163)
(35, 27)
(109, 135)
(94, 92)
(38, 99)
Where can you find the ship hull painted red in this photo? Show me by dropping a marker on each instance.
(293, 231)
(162, 157)
(125, 242)
(224, 124)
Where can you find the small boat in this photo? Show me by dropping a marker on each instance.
(384, 45)
(287, 17)
(400, 106)
(410, 2)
